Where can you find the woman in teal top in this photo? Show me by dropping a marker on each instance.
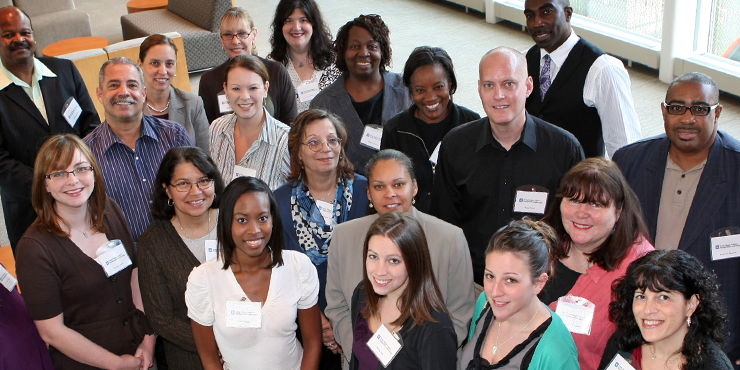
(511, 328)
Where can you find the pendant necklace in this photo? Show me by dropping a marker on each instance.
(157, 110)
(497, 346)
(186, 233)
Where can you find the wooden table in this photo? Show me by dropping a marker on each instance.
(74, 44)
(135, 6)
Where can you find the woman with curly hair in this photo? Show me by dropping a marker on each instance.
(306, 54)
(366, 95)
(669, 315)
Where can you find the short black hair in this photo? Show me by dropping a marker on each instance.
(696, 77)
(373, 24)
(426, 56)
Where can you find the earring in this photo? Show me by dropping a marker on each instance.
(413, 201)
(371, 204)
(688, 321)
(170, 202)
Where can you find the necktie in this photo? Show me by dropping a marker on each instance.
(545, 81)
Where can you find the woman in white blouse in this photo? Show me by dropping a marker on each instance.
(245, 303)
(249, 141)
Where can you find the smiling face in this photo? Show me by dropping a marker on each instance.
(390, 187)
(385, 267)
(246, 91)
(159, 67)
(72, 190)
(326, 159)
(236, 46)
(508, 284)
(18, 45)
(194, 202)
(251, 227)
(122, 94)
(363, 53)
(431, 92)
(297, 31)
(588, 224)
(503, 88)
(688, 133)
(548, 22)
(661, 316)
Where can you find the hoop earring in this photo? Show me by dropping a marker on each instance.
(170, 202)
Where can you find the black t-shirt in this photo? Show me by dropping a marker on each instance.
(562, 282)
(432, 133)
(370, 111)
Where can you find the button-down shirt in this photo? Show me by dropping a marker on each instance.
(129, 174)
(34, 92)
(476, 178)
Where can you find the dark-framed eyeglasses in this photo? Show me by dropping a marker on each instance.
(230, 36)
(316, 145)
(697, 110)
(186, 186)
(63, 175)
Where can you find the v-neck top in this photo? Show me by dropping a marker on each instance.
(293, 286)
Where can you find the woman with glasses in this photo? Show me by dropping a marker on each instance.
(182, 237)
(306, 54)
(322, 191)
(238, 37)
(77, 266)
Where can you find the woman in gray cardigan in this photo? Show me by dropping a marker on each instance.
(185, 209)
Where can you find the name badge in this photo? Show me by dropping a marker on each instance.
(530, 201)
(211, 249)
(223, 103)
(307, 92)
(619, 363)
(371, 137)
(240, 171)
(243, 314)
(71, 111)
(435, 154)
(577, 314)
(327, 211)
(7, 280)
(385, 345)
(725, 243)
(113, 257)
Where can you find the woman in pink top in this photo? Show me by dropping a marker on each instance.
(599, 218)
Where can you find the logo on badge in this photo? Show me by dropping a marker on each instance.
(716, 247)
(521, 200)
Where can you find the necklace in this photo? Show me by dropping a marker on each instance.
(652, 352)
(497, 346)
(157, 110)
(186, 233)
(328, 195)
(84, 233)
(300, 64)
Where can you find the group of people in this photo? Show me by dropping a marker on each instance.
(314, 210)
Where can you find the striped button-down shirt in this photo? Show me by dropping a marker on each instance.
(268, 155)
(129, 174)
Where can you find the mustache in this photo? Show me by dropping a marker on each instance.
(15, 45)
(686, 128)
(123, 100)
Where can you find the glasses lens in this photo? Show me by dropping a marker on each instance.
(227, 36)
(700, 110)
(205, 183)
(183, 186)
(242, 35)
(333, 143)
(57, 175)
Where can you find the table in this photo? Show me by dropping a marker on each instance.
(135, 6)
(74, 44)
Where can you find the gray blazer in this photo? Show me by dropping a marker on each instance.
(335, 99)
(450, 260)
(187, 110)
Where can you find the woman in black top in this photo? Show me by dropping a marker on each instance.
(418, 131)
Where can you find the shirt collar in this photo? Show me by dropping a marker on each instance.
(559, 55)
(108, 137)
(269, 133)
(529, 135)
(40, 70)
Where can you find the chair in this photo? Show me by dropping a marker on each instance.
(54, 21)
(88, 63)
(197, 22)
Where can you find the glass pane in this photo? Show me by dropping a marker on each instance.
(724, 39)
(644, 17)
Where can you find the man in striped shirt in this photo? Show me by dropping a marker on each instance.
(129, 146)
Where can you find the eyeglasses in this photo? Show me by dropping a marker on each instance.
(316, 145)
(63, 175)
(230, 36)
(697, 110)
(186, 186)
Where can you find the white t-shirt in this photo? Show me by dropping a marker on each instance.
(293, 286)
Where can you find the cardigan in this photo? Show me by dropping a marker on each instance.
(187, 110)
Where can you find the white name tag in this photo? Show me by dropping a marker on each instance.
(530, 202)
(371, 137)
(7, 280)
(619, 363)
(223, 104)
(211, 249)
(243, 314)
(327, 211)
(384, 345)
(71, 111)
(435, 154)
(724, 247)
(113, 257)
(307, 92)
(240, 171)
(577, 314)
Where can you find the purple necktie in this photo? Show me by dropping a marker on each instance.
(545, 81)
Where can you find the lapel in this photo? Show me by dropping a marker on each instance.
(652, 183)
(391, 92)
(571, 64)
(711, 192)
(19, 97)
(177, 107)
(344, 105)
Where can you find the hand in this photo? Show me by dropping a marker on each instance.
(145, 351)
(737, 362)
(128, 362)
(327, 335)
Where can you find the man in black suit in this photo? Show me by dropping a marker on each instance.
(35, 96)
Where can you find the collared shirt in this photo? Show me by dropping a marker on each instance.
(34, 92)
(679, 188)
(268, 155)
(129, 174)
(607, 89)
(476, 178)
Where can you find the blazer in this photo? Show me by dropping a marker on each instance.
(187, 110)
(450, 256)
(23, 130)
(335, 99)
(716, 205)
